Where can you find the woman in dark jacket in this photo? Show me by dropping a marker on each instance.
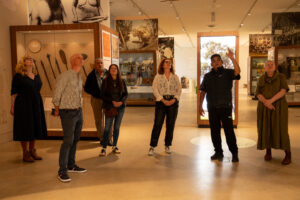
(114, 95)
(27, 108)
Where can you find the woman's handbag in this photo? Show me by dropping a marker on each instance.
(111, 112)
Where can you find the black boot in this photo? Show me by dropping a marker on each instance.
(235, 157)
(217, 156)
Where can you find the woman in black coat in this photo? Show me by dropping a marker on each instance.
(114, 94)
(27, 108)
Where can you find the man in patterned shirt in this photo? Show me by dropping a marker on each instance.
(67, 102)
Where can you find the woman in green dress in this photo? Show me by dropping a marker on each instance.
(272, 113)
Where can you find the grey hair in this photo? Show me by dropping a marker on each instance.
(97, 59)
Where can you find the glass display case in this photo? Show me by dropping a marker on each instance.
(256, 70)
(208, 44)
(287, 59)
(51, 47)
(138, 69)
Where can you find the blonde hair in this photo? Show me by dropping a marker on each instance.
(21, 68)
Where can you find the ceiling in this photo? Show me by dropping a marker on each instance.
(195, 15)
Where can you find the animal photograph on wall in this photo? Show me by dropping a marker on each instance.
(260, 43)
(166, 47)
(286, 28)
(66, 11)
(138, 34)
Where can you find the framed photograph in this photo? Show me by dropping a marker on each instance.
(166, 47)
(67, 12)
(286, 28)
(138, 34)
(259, 44)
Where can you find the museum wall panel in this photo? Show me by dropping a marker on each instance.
(17, 12)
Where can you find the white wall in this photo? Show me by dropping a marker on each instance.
(12, 12)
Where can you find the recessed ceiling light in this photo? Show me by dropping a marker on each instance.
(242, 25)
(249, 14)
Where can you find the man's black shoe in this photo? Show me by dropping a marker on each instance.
(217, 156)
(235, 158)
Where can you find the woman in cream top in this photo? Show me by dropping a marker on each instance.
(167, 90)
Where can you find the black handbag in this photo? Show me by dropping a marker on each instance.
(111, 112)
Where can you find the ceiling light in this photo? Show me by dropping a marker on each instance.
(177, 17)
(242, 25)
(249, 14)
(140, 13)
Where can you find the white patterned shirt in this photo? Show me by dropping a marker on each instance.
(68, 90)
(162, 86)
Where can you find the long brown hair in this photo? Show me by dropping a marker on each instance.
(109, 79)
(161, 66)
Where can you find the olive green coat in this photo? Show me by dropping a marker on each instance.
(272, 125)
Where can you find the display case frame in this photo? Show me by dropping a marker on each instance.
(251, 91)
(286, 54)
(96, 29)
(202, 123)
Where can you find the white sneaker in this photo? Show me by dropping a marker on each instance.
(151, 151)
(103, 152)
(168, 150)
(116, 150)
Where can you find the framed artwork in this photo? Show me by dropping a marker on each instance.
(166, 47)
(138, 69)
(137, 34)
(115, 49)
(259, 44)
(67, 12)
(286, 28)
(106, 48)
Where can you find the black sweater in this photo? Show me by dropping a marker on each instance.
(106, 95)
(91, 85)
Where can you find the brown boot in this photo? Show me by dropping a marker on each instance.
(34, 155)
(268, 155)
(287, 159)
(27, 157)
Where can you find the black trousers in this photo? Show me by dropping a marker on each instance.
(224, 115)
(162, 111)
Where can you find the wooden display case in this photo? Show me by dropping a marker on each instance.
(287, 60)
(51, 47)
(207, 44)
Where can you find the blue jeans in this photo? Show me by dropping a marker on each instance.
(117, 123)
(71, 121)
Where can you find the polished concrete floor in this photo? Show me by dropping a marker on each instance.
(186, 174)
